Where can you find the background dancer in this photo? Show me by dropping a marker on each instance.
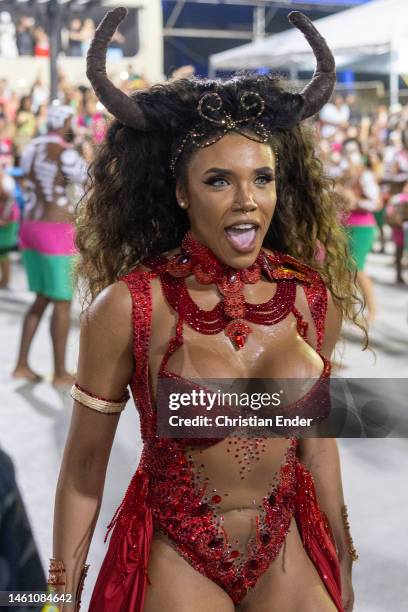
(359, 186)
(51, 165)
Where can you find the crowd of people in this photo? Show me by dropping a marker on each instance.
(26, 117)
(367, 156)
(27, 36)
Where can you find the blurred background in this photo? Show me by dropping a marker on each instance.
(362, 140)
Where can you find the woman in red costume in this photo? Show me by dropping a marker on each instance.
(201, 242)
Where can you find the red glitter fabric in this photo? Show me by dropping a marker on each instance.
(178, 488)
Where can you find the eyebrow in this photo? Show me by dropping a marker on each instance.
(266, 169)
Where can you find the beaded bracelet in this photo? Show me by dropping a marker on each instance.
(57, 578)
(351, 549)
(56, 573)
(99, 404)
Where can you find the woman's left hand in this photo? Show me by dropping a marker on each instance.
(347, 592)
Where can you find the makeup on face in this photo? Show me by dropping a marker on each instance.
(231, 194)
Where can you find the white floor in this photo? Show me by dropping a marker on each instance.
(34, 422)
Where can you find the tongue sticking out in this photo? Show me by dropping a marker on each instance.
(241, 239)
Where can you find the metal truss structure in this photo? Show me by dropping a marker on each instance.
(260, 8)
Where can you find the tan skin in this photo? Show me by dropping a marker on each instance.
(213, 200)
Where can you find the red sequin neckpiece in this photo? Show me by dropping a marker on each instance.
(232, 314)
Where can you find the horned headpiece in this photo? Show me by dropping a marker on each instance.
(210, 106)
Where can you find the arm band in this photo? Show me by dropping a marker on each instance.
(98, 403)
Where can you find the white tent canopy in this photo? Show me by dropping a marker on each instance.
(372, 37)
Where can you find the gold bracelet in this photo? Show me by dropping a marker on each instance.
(351, 549)
(99, 404)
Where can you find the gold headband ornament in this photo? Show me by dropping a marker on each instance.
(210, 108)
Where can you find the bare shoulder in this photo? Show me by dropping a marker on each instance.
(105, 362)
(113, 301)
(113, 306)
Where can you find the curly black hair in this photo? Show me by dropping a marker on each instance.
(130, 211)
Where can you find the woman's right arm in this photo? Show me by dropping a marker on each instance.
(105, 368)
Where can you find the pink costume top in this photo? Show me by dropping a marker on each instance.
(185, 488)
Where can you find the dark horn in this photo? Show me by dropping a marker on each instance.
(319, 90)
(116, 102)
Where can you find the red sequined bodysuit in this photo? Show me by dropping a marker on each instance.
(190, 492)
